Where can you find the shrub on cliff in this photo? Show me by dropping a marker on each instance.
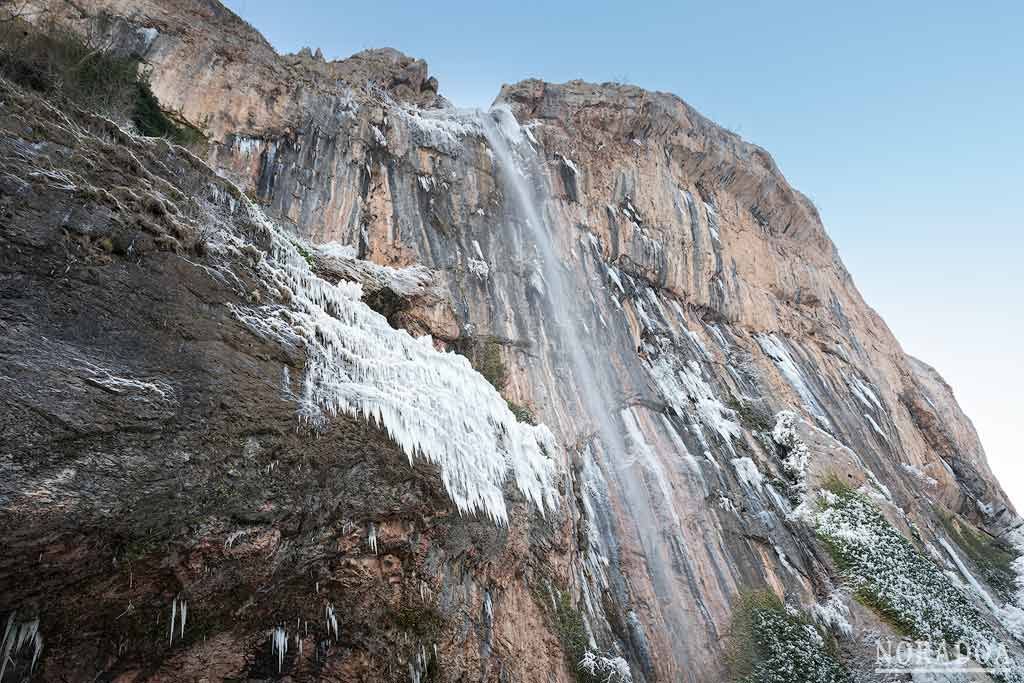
(51, 59)
(772, 643)
(887, 573)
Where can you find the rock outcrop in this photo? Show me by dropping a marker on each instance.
(637, 278)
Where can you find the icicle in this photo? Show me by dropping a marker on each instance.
(18, 636)
(332, 620)
(279, 646)
(488, 608)
(371, 537)
(179, 616)
(7, 644)
(174, 615)
(37, 642)
(184, 616)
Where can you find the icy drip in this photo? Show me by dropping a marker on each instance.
(642, 483)
(433, 404)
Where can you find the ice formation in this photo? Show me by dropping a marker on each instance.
(834, 614)
(863, 392)
(686, 390)
(1009, 614)
(432, 404)
(19, 635)
(442, 129)
(371, 537)
(918, 474)
(777, 350)
(179, 616)
(279, 646)
(747, 473)
(607, 669)
(797, 454)
(331, 619)
(402, 281)
(975, 585)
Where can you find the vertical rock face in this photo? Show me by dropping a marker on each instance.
(650, 286)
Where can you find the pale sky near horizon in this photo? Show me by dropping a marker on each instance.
(902, 121)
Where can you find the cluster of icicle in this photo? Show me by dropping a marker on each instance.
(18, 636)
(433, 404)
(179, 615)
(279, 645)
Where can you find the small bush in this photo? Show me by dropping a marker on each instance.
(568, 624)
(751, 415)
(52, 60)
(485, 357)
(489, 363)
(151, 121)
(772, 644)
(522, 413)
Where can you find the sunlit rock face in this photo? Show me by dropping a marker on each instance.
(659, 297)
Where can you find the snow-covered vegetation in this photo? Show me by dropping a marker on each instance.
(886, 572)
(606, 669)
(773, 643)
(796, 453)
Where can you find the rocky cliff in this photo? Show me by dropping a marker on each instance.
(252, 424)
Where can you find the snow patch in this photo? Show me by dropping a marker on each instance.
(919, 475)
(148, 35)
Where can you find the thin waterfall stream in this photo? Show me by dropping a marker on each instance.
(626, 455)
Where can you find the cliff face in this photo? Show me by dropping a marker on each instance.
(643, 282)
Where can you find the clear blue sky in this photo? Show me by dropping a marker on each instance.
(901, 120)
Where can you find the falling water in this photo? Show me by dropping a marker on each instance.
(632, 463)
(518, 165)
